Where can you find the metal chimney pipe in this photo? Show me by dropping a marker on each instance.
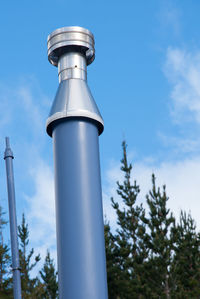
(75, 123)
(8, 156)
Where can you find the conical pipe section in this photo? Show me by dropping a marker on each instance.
(72, 49)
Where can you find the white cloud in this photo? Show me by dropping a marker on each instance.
(41, 210)
(182, 69)
(29, 106)
(109, 190)
(181, 179)
(23, 112)
(41, 213)
(182, 145)
(169, 17)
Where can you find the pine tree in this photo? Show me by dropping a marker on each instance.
(186, 262)
(49, 278)
(150, 255)
(5, 259)
(159, 240)
(28, 284)
(132, 253)
(112, 264)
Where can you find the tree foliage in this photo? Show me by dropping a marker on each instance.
(150, 255)
(28, 284)
(45, 286)
(186, 260)
(5, 261)
(129, 238)
(49, 278)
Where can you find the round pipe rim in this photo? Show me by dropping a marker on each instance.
(61, 38)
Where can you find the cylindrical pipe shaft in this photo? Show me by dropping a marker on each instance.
(8, 156)
(75, 123)
(80, 231)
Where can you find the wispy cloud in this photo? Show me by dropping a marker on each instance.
(181, 176)
(181, 179)
(23, 112)
(182, 69)
(41, 209)
(181, 145)
(169, 17)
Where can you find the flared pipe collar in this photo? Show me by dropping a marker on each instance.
(73, 99)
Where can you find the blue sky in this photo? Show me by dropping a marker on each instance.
(145, 80)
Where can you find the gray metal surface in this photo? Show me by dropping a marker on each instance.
(75, 123)
(8, 156)
(72, 66)
(74, 99)
(76, 36)
(80, 231)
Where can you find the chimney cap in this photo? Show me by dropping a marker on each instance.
(67, 38)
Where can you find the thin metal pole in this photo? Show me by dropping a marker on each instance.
(8, 156)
